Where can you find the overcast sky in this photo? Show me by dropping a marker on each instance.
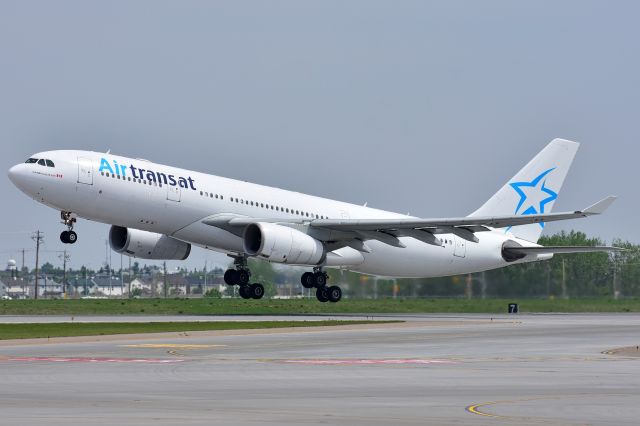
(420, 107)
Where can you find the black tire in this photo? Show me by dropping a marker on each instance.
(231, 277)
(334, 293)
(245, 292)
(243, 277)
(64, 237)
(256, 290)
(322, 294)
(72, 238)
(320, 279)
(307, 280)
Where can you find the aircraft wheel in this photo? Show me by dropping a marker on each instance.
(256, 290)
(245, 292)
(308, 280)
(334, 293)
(243, 277)
(64, 237)
(72, 238)
(322, 294)
(231, 277)
(320, 279)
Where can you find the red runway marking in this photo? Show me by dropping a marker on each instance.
(103, 360)
(367, 361)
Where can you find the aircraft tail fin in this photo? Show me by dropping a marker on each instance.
(534, 189)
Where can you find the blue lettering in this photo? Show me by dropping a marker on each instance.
(104, 165)
(172, 180)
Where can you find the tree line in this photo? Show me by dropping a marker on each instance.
(565, 275)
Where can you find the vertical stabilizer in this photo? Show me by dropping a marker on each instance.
(534, 189)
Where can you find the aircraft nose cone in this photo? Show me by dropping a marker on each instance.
(14, 172)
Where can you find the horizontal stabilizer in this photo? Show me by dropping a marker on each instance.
(600, 206)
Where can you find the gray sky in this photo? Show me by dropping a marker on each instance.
(418, 107)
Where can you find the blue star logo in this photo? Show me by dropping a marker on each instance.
(534, 207)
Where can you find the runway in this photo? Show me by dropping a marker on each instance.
(433, 369)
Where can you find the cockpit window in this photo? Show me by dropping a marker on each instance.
(41, 162)
(49, 163)
(31, 160)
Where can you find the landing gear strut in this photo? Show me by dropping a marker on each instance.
(68, 236)
(240, 276)
(318, 279)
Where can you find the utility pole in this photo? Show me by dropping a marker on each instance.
(204, 290)
(121, 278)
(38, 237)
(22, 269)
(65, 258)
(564, 280)
(164, 268)
(129, 281)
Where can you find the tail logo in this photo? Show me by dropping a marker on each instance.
(534, 195)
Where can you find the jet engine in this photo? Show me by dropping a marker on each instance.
(147, 245)
(282, 244)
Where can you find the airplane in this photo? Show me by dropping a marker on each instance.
(158, 212)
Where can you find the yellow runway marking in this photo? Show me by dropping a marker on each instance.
(474, 409)
(172, 346)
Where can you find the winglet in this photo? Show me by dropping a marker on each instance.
(600, 206)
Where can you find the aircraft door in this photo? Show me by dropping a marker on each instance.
(85, 171)
(460, 248)
(174, 193)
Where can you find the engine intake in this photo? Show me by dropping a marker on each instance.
(282, 244)
(147, 245)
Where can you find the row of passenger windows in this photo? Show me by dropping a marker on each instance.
(41, 162)
(265, 206)
(221, 197)
(130, 179)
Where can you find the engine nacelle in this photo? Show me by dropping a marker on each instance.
(147, 245)
(282, 244)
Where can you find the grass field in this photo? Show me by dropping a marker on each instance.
(305, 306)
(30, 331)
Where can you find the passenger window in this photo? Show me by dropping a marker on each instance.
(49, 163)
(41, 162)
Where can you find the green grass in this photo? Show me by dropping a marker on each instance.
(306, 306)
(30, 331)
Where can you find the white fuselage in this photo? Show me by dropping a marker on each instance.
(167, 200)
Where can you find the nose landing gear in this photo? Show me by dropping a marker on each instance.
(68, 236)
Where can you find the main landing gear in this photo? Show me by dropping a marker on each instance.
(240, 276)
(318, 279)
(68, 236)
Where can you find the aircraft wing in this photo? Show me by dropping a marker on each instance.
(559, 249)
(353, 232)
(471, 221)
